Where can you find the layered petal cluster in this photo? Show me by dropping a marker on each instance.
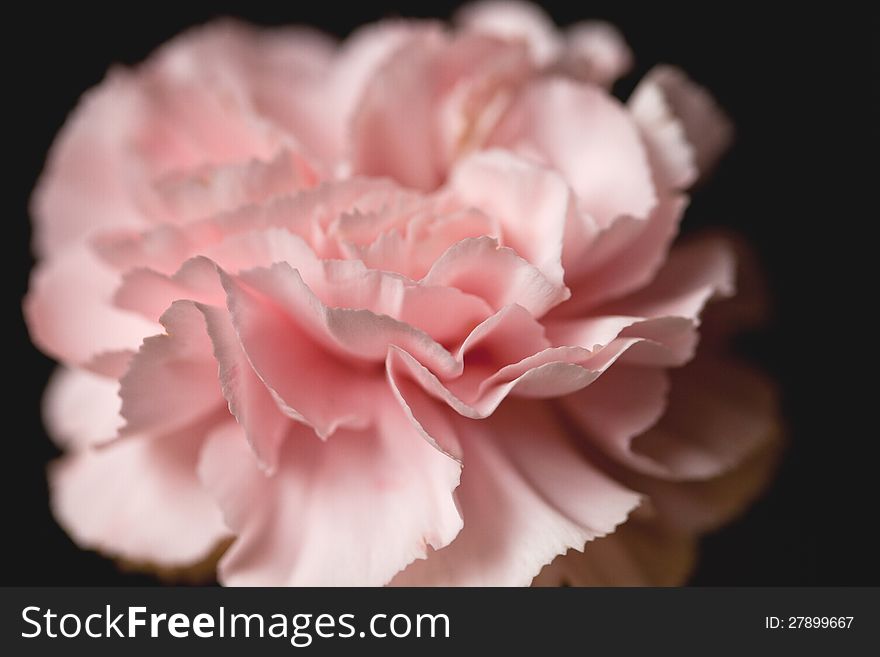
(402, 310)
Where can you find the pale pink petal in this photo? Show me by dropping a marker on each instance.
(666, 92)
(139, 499)
(150, 293)
(527, 494)
(77, 327)
(695, 272)
(161, 248)
(361, 57)
(85, 186)
(552, 372)
(309, 215)
(589, 138)
(481, 267)
(81, 408)
(293, 364)
(672, 156)
(197, 105)
(393, 131)
(350, 332)
(172, 379)
(719, 412)
(477, 77)
(413, 251)
(664, 314)
(250, 401)
(429, 417)
(596, 51)
(619, 406)
(514, 21)
(338, 283)
(622, 258)
(287, 69)
(209, 190)
(639, 553)
(506, 337)
(350, 511)
(531, 204)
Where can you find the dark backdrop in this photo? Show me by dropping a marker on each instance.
(801, 88)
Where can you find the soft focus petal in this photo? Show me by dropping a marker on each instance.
(394, 132)
(353, 333)
(622, 257)
(589, 138)
(139, 499)
(703, 505)
(85, 185)
(384, 490)
(77, 327)
(526, 495)
(663, 314)
(619, 406)
(668, 92)
(639, 553)
(81, 408)
(719, 413)
(596, 51)
(515, 21)
(212, 189)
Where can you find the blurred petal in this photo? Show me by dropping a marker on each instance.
(639, 553)
(595, 51)
(77, 327)
(588, 137)
(349, 511)
(514, 21)
(706, 128)
(81, 409)
(719, 413)
(526, 495)
(139, 499)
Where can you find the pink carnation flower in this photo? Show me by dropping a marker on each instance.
(402, 310)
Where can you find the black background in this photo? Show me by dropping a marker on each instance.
(802, 90)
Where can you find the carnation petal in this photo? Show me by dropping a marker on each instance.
(395, 137)
(589, 138)
(139, 499)
(532, 205)
(479, 266)
(719, 413)
(351, 511)
(596, 51)
(172, 379)
(527, 494)
(250, 401)
(619, 406)
(706, 128)
(81, 408)
(640, 552)
(514, 21)
(77, 327)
